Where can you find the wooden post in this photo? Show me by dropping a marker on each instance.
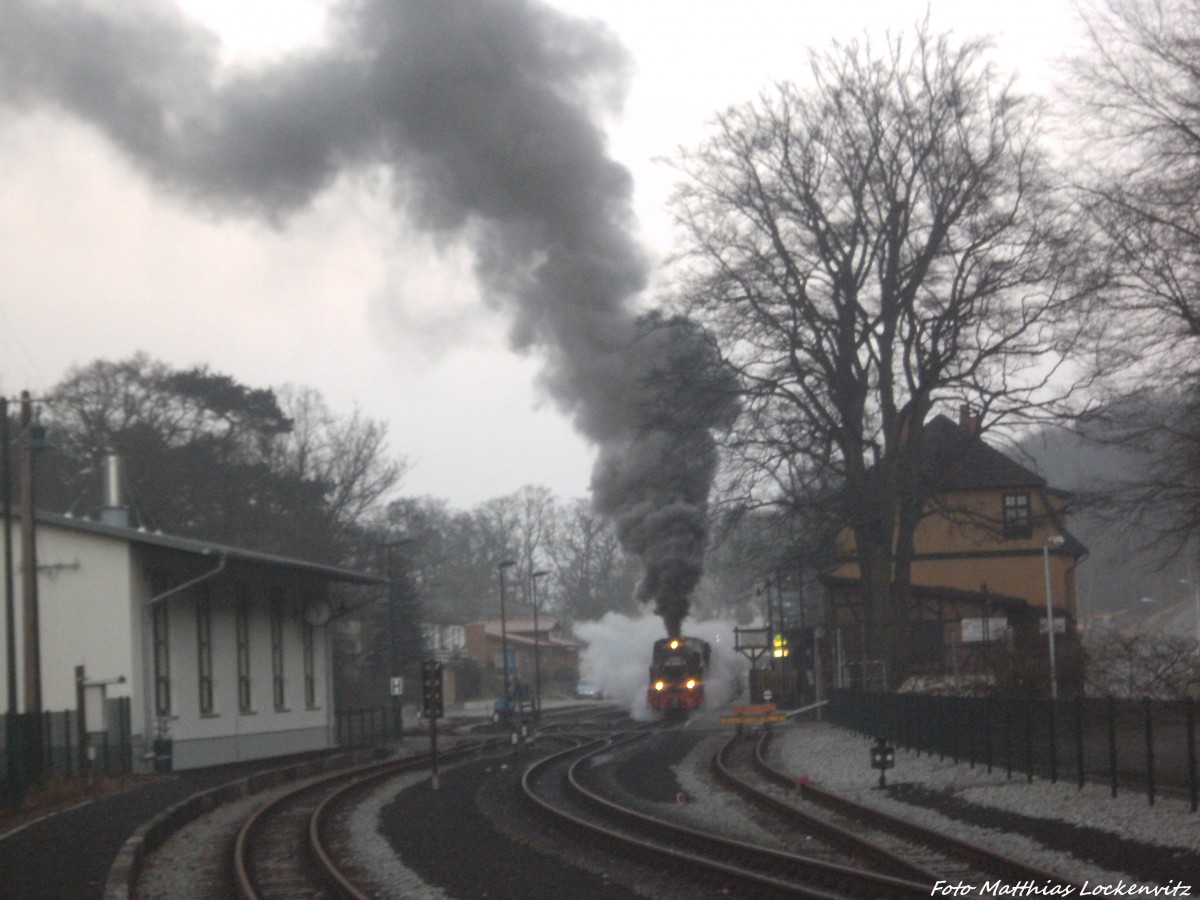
(29, 585)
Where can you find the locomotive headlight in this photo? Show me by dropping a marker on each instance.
(658, 685)
(674, 645)
(691, 684)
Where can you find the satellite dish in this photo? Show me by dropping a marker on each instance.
(318, 614)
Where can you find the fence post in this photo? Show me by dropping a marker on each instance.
(941, 729)
(1028, 740)
(70, 759)
(1148, 708)
(914, 742)
(1052, 722)
(989, 713)
(1112, 743)
(955, 727)
(972, 728)
(1008, 756)
(1079, 739)
(1191, 751)
(47, 745)
(126, 736)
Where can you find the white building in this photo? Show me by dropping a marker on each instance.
(225, 651)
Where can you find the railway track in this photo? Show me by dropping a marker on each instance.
(896, 844)
(558, 787)
(285, 849)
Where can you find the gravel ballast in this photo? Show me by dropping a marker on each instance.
(1084, 834)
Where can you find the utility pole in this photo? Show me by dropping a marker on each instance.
(29, 587)
(10, 611)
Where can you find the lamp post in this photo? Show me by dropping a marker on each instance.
(1054, 540)
(506, 564)
(537, 649)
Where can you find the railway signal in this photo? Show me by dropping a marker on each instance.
(431, 693)
(431, 688)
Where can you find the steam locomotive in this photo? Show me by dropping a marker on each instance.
(677, 671)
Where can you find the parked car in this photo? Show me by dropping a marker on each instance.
(588, 690)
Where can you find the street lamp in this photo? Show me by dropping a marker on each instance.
(537, 650)
(1054, 540)
(507, 564)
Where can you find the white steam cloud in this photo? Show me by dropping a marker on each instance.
(617, 657)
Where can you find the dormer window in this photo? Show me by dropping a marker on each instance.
(1016, 518)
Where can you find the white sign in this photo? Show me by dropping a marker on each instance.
(976, 631)
(1060, 625)
(93, 707)
(397, 686)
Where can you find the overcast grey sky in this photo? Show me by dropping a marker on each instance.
(102, 254)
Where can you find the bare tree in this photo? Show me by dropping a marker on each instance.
(886, 240)
(1138, 93)
(1132, 664)
(593, 574)
(349, 454)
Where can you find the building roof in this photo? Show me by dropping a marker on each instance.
(208, 549)
(520, 631)
(952, 458)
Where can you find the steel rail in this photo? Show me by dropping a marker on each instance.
(849, 841)
(324, 860)
(846, 881)
(241, 861)
(983, 858)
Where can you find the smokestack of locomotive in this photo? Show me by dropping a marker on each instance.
(482, 115)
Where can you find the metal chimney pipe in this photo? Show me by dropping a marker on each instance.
(112, 510)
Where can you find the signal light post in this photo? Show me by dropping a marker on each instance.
(431, 695)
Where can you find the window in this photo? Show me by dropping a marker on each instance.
(161, 627)
(204, 650)
(310, 666)
(277, 614)
(242, 627)
(1017, 522)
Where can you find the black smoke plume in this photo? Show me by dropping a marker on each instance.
(483, 114)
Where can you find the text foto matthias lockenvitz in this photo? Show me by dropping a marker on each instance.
(1033, 888)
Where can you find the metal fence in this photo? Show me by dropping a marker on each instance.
(1144, 745)
(38, 746)
(367, 727)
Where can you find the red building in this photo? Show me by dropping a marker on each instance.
(556, 655)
